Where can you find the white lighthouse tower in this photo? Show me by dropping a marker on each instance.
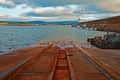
(79, 21)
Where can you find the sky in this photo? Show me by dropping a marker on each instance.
(57, 10)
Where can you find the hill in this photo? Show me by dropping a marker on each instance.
(38, 22)
(106, 24)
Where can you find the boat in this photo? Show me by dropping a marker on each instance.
(73, 25)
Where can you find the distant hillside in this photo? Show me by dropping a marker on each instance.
(112, 20)
(41, 22)
(56, 22)
(106, 24)
(63, 22)
(36, 22)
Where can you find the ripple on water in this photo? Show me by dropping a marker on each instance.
(1, 52)
(12, 38)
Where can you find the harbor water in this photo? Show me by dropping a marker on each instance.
(16, 37)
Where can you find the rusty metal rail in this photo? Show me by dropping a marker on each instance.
(61, 68)
(104, 68)
(10, 73)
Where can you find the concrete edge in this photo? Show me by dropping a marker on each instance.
(114, 74)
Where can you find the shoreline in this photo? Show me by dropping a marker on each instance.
(33, 24)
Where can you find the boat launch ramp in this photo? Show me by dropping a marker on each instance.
(61, 60)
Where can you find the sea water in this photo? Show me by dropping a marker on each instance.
(16, 37)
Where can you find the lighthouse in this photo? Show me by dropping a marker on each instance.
(79, 21)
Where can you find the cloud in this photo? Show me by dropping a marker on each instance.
(59, 9)
(109, 5)
(7, 3)
(16, 11)
(46, 3)
(88, 17)
(19, 18)
(70, 12)
(51, 11)
(85, 17)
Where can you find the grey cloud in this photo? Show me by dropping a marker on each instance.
(51, 12)
(44, 3)
(71, 10)
(85, 17)
(108, 5)
(7, 3)
(88, 12)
